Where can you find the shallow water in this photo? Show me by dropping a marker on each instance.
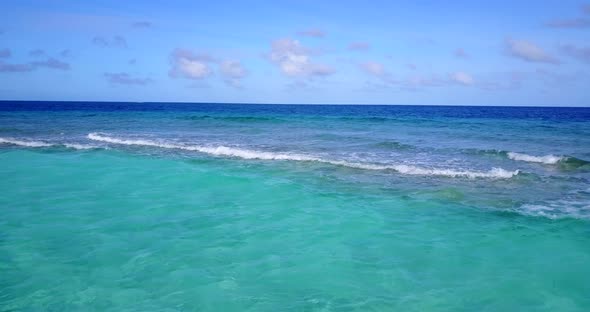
(112, 207)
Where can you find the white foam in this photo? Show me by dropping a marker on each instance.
(558, 209)
(547, 159)
(80, 146)
(25, 143)
(107, 139)
(496, 173)
(30, 143)
(218, 151)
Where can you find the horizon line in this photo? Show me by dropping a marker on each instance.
(298, 104)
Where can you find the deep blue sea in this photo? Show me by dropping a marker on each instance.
(244, 207)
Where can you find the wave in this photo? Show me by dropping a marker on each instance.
(30, 143)
(574, 163)
(558, 209)
(80, 146)
(547, 159)
(563, 161)
(25, 143)
(497, 173)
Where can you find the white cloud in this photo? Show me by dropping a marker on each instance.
(374, 68)
(529, 52)
(185, 64)
(415, 80)
(462, 78)
(378, 71)
(233, 72)
(190, 65)
(193, 69)
(294, 60)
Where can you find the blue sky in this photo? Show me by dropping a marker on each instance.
(335, 52)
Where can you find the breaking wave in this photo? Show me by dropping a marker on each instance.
(29, 143)
(80, 146)
(496, 173)
(25, 143)
(559, 209)
(547, 159)
(563, 161)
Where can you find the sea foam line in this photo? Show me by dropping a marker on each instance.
(497, 173)
(80, 146)
(25, 143)
(547, 159)
(29, 143)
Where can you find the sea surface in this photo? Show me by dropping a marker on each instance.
(232, 207)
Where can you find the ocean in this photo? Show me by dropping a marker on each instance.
(243, 207)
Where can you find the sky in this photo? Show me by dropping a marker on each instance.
(533, 53)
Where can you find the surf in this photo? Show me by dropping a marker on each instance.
(40, 144)
(546, 159)
(24, 143)
(249, 154)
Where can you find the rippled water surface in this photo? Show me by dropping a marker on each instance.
(209, 207)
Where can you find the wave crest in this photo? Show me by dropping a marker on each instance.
(547, 159)
(45, 144)
(559, 209)
(25, 143)
(497, 173)
(563, 161)
(80, 146)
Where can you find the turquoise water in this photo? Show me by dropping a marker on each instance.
(291, 208)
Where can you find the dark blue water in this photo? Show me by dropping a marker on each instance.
(387, 111)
